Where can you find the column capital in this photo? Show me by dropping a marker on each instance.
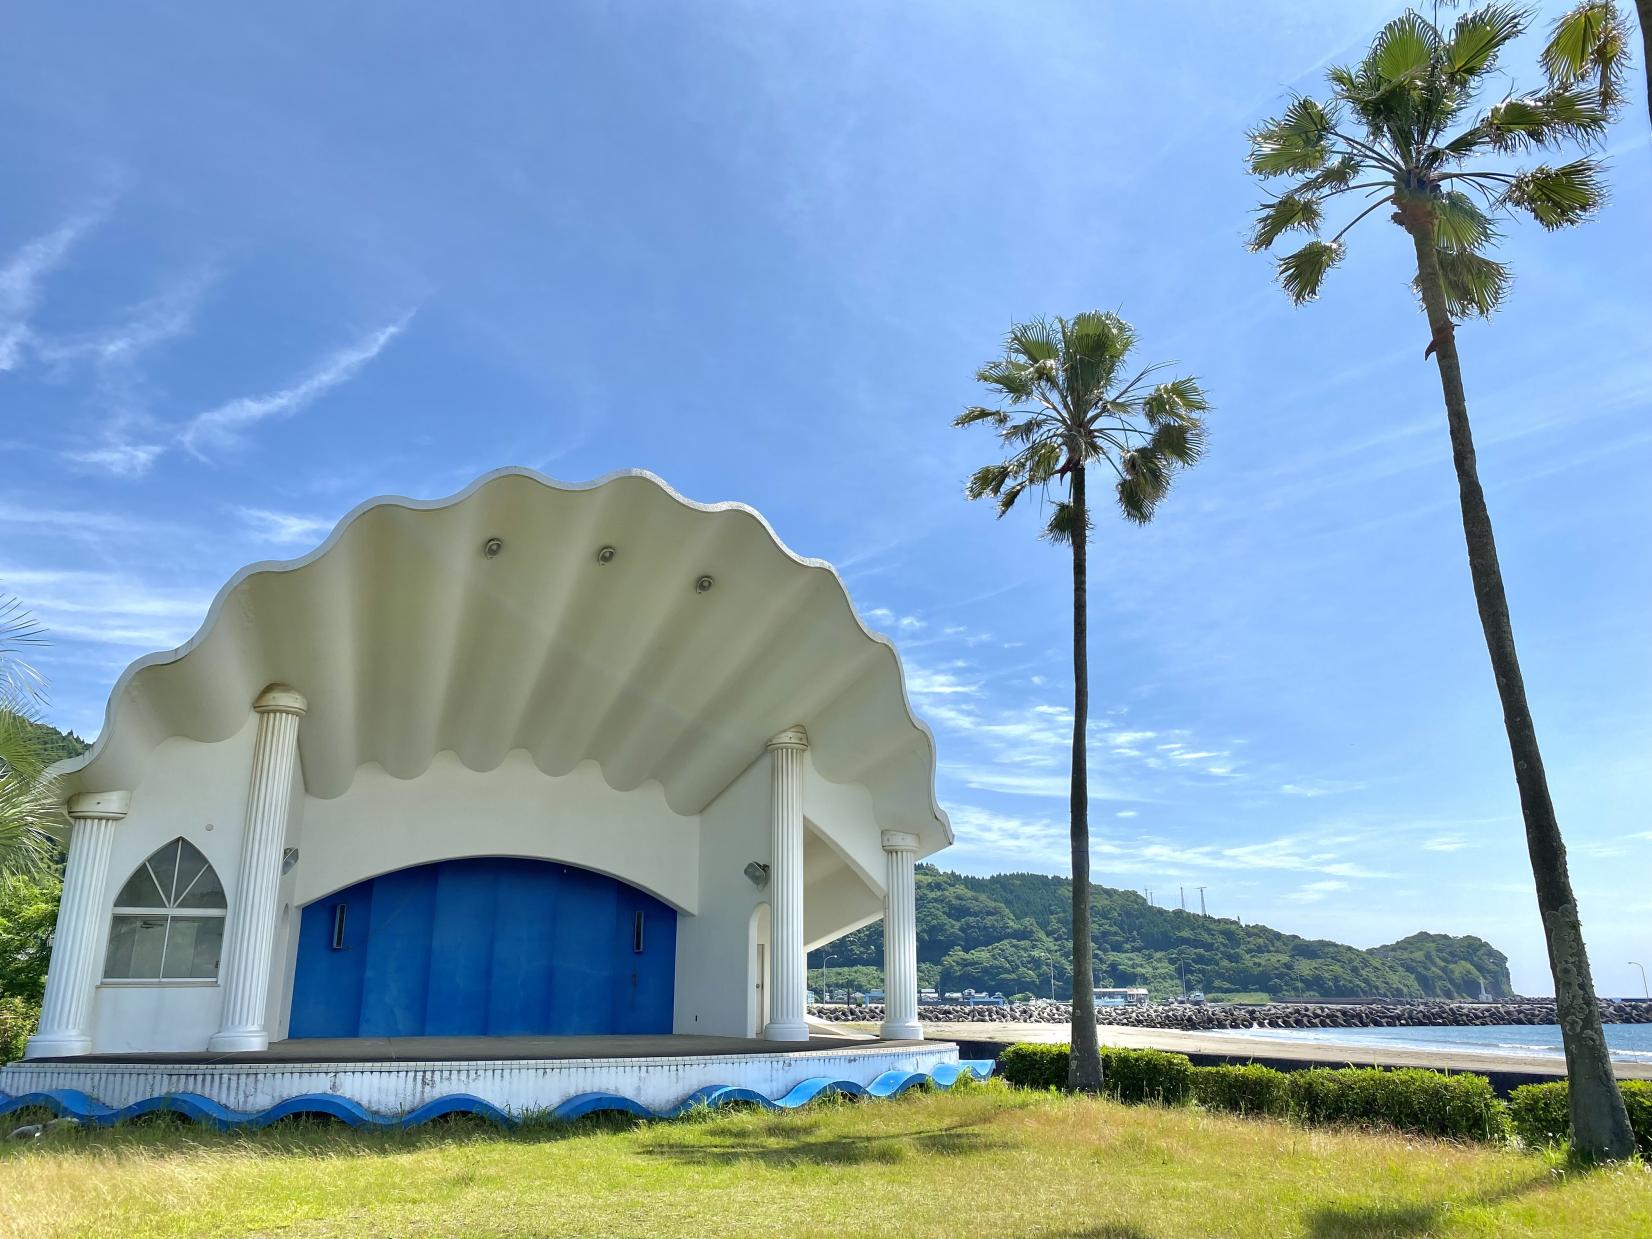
(899, 841)
(280, 699)
(102, 806)
(792, 738)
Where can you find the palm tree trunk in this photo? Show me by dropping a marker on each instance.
(1643, 9)
(1084, 1065)
(1600, 1125)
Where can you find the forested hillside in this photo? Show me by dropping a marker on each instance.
(1008, 932)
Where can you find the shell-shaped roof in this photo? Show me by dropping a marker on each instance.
(408, 639)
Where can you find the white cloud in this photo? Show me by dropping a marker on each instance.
(120, 458)
(926, 682)
(22, 279)
(1313, 892)
(108, 608)
(1317, 787)
(1445, 843)
(221, 427)
(284, 528)
(1127, 813)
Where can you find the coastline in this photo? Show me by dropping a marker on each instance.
(1240, 1047)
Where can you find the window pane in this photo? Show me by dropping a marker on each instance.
(135, 945)
(140, 891)
(192, 949)
(190, 865)
(164, 865)
(207, 891)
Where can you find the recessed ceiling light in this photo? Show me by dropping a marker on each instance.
(703, 584)
(606, 555)
(492, 547)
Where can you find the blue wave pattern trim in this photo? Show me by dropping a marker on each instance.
(72, 1103)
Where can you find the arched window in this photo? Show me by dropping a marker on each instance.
(169, 919)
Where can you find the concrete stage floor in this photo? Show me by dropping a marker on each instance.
(492, 1049)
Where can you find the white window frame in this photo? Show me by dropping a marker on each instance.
(167, 915)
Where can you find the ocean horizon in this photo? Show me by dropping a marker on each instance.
(1628, 1043)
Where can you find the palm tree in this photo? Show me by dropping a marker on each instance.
(1590, 44)
(1383, 134)
(29, 804)
(1063, 407)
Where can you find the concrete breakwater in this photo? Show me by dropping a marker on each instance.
(1272, 1015)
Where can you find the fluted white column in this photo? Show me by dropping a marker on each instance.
(900, 939)
(250, 935)
(82, 924)
(788, 980)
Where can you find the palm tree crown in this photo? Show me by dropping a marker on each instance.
(1414, 149)
(29, 804)
(1063, 407)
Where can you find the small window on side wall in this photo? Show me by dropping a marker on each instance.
(168, 922)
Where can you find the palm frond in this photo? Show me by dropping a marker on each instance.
(30, 805)
(1338, 174)
(1297, 142)
(1474, 284)
(1010, 377)
(1282, 215)
(1178, 402)
(976, 414)
(1063, 522)
(1590, 43)
(1558, 197)
(1178, 443)
(1402, 51)
(1034, 341)
(1561, 114)
(1302, 273)
(987, 480)
(1459, 224)
(1479, 36)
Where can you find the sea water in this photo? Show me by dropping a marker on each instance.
(1629, 1043)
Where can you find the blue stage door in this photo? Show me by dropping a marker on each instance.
(490, 946)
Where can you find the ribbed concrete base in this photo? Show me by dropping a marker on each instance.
(513, 1085)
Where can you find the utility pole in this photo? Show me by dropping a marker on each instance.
(1183, 889)
(1202, 911)
(1149, 895)
(1644, 990)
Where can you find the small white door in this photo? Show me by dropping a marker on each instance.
(762, 1003)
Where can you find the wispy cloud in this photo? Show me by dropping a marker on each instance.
(22, 281)
(1318, 787)
(885, 618)
(1313, 892)
(108, 608)
(1445, 843)
(222, 427)
(284, 528)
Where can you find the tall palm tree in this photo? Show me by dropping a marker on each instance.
(1397, 129)
(29, 804)
(1065, 405)
(1590, 44)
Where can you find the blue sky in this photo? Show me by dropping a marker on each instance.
(258, 265)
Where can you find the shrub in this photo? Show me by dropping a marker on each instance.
(1429, 1103)
(1250, 1089)
(1541, 1113)
(1026, 1065)
(1127, 1075)
(18, 1017)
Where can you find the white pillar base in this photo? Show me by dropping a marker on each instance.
(786, 1032)
(238, 1040)
(910, 1030)
(56, 1045)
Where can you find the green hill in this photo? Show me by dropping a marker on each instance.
(1006, 933)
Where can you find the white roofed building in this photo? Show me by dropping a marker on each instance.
(535, 760)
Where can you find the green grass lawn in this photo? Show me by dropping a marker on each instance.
(984, 1160)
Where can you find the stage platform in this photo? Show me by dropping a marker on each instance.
(413, 1079)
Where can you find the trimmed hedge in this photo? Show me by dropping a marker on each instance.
(1541, 1113)
(1430, 1103)
(1251, 1089)
(1126, 1075)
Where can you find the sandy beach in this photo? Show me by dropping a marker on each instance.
(1240, 1046)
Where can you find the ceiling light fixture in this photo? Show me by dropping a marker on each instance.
(703, 584)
